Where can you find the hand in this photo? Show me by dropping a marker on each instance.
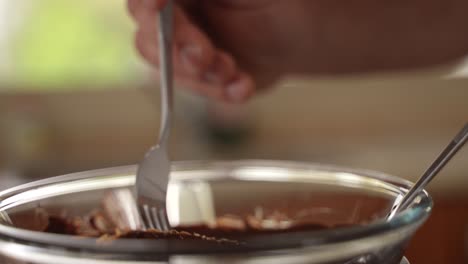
(231, 49)
(198, 63)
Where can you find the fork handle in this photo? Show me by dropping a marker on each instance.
(455, 145)
(165, 48)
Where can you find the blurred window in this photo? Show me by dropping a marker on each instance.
(65, 44)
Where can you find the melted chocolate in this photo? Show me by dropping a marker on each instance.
(98, 225)
(109, 221)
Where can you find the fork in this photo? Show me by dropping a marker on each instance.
(152, 176)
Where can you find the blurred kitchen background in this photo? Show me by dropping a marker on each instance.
(74, 95)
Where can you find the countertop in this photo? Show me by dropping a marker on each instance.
(394, 124)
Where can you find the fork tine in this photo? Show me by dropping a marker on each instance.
(163, 219)
(147, 217)
(155, 219)
(144, 226)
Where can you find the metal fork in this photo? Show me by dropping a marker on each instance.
(403, 202)
(153, 172)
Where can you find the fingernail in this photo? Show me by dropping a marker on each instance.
(237, 91)
(192, 52)
(190, 56)
(214, 73)
(212, 77)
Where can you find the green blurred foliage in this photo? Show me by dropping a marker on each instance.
(65, 44)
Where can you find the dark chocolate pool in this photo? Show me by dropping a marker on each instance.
(295, 214)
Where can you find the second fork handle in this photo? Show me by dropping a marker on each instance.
(455, 145)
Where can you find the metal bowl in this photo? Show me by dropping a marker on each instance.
(340, 195)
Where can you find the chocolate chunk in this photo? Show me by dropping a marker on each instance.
(60, 225)
(99, 222)
(231, 223)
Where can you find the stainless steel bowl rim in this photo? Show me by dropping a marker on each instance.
(314, 240)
